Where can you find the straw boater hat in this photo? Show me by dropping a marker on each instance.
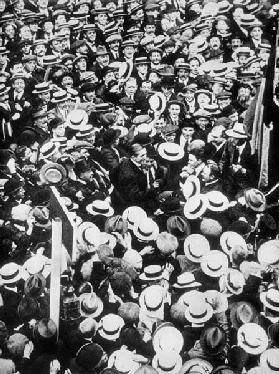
(252, 338)
(190, 296)
(270, 299)
(217, 201)
(59, 97)
(199, 311)
(217, 300)
(151, 273)
(214, 263)
(110, 326)
(191, 186)
(90, 305)
(11, 273)
(36, 264)
(157, 102)
(196, 206)
(268, 253)
(195, 247)
(77, 119)
(123, 361)
(232, 282)
(196, 366)
(41, 88)
(171, 151)
(100, 207)
(52, 173)
(237, 131)
(86, 231)
(167, 337)
(151, 300)
(242, 312)
(167, 362)
(255, 199)
(133, 215)
(269, 361)
(186, 280)
(48, 149)
(230, 239)
(146, 230)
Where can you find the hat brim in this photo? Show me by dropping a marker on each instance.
(211, 273)
(191, 285)
(233, 314)
(204, 319)
(224, 238)
(80, 230)
(153, 235)
(266, 303)
(90, 210)
(97, 312)
(72, 126)
(200, 363)
(178, 365)
(197, 214)
(233, 134)
(51, 166)
(252, 350)
(195, 182)
(219, 208)
(173, 158)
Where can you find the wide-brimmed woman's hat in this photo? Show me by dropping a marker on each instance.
(151, 300)
(186, 280)
(77, 119)
(242, 312)
(232, 282)
(191, 186)
(195, 247)
(217, 201)
(100, 207)
(146, 230)
(268, 253)
(230, 239)
(171, 151)
(269, 361)
(255, 199)
(252, 338)
(167, 337)
(151, 273)
(198, 311)
(214, 263)
(195, 206)
(52, 173)
(196, 366)
(167, 362)
(90, 305)
(270, 299)
(133, 215)
(110, 326)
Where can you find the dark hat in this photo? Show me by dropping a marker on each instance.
(89, 356)
(28, 308)
(34, 285)
(12, 186)
(178, 226)
(110, 135)
(28, 58)
(213, 340)
(45, 330)
(116, 223)
(101, 50)
(171, 205)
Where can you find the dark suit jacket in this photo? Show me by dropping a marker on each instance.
(109, 157)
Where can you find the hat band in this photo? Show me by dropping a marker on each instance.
(88, 309)
(164, 368)
(111, 332)
(250, 345)
(76, 123)
(100, 210)
(171, 154)
(215, 204)
(198, 315)
(155, 274)
(130, 222)
(274, 368)
(145, 234)
(11, 276)
(151, 308)
(214, 269)
(49, 151)
(186, 283)
(41, 90)
(232, 286)
(272, 302)
(256, 204)
(195, 211)
(193, 254)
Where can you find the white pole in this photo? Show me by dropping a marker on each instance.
(56, 251)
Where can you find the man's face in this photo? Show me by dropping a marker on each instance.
(189, 95)
(109, 77)
(202, 122)
(236, 43)
(223, 102)
(19, 85)
(155, 58)
(217, 88)
(40, 50)
(242, 59)
(81, 64)
(129, 51)
(26, 48)
(150, 29)
(3, 59)
(194, 66)
(140, 157)
(256, 33)
(131, 87)
(67, 82)
(25, 33)
(45, 97)
(216, 137)
(174, 110)
(57, 45)
(90, 35)
(69, 64)
(244, 93)
(2, 6)
(203, 99)
(41, 123)
(10, 31)
(234, 117)
(59, 131)
(102, 19)
(153, 77)
(192, 161)
(42, 3)
(48, 26)
(187, 132)
(215, 43)
(87, 176)
(34, 27)
(146, 87)
(142, 68)
(103, 60)
(114, 45)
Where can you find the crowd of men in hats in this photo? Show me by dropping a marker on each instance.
(140, 114)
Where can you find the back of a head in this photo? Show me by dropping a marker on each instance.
(7, 366)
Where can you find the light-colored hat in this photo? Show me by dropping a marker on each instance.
(133, 258)
(195, 206)
(186, 280)
(214, 263)
(217, 300)
(270, 299)
(151, 300)
(88, 233)
(217, 201)
(255, 199)
(197, 366)
(191, 187)
(100, 207)
(252, 338)
(107, 239)
(21, 212)
(195, 247)
(167, 362)
(242, 312)
(90, 305)
(269, 361)
(122, 361)
(133, 215)
(167, 338)
(237, 131)
(59, 97)
(229, 239)
(199, 311)
(52, 173)
(110, 326)
(157, 102)
(190, 296)
(171, 151)
(47, 150)
(36, 264)
(233, 282)
(146, 230)
(10, 273)
(151, 273)
(268, 253)
(77, 119)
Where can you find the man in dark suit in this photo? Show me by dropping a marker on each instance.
(133, 184)
(132, 92)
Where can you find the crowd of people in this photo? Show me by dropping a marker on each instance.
(140, 113)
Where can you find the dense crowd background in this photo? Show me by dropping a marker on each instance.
(141, 114)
